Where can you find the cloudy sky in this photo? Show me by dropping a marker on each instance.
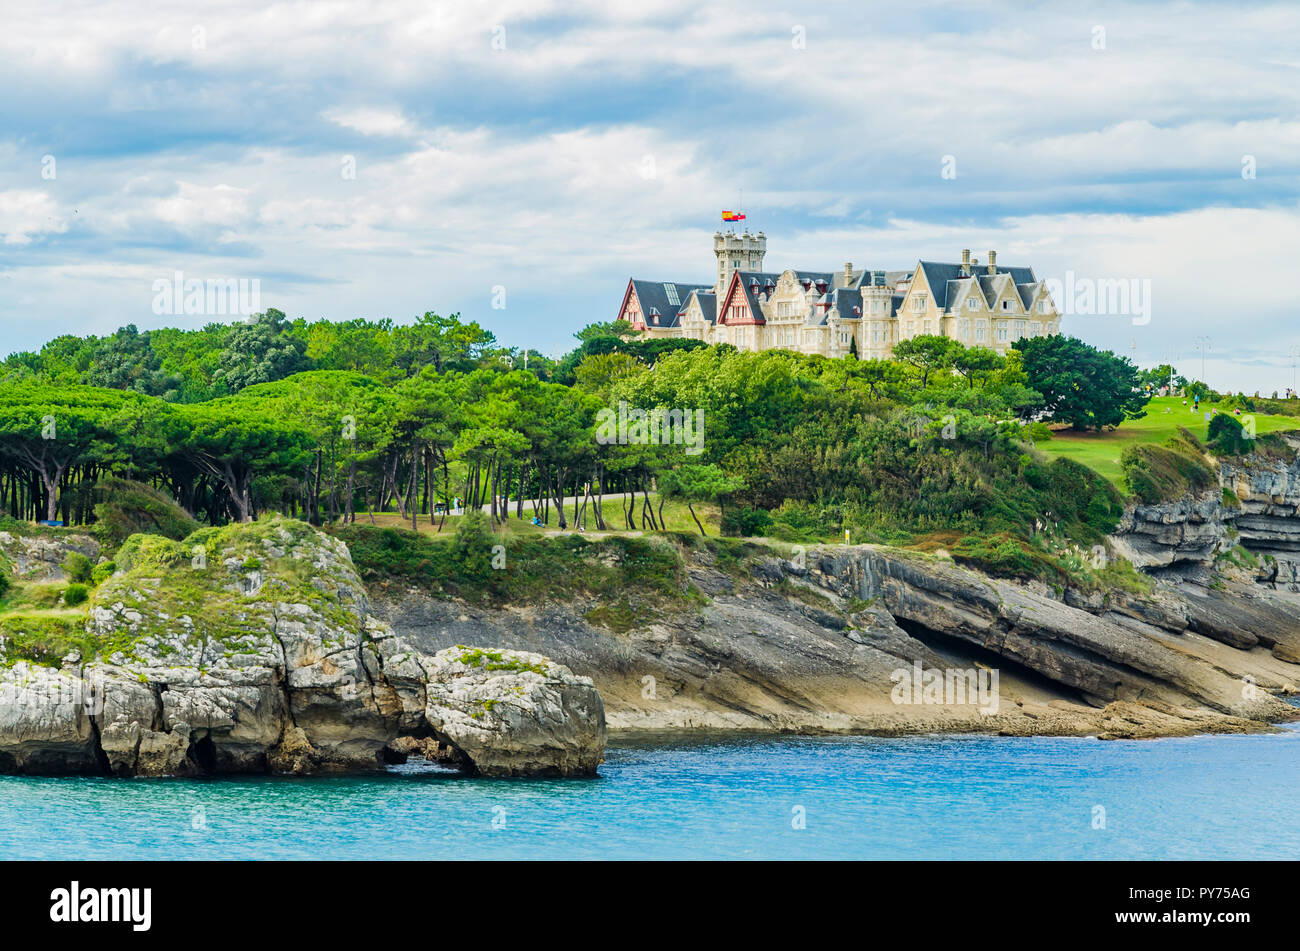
(384, 158)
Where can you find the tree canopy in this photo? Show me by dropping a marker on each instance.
(335, 421)
(1081, 385)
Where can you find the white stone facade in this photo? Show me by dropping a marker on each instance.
(836, 313)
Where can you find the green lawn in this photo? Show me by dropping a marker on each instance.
(1101, 451)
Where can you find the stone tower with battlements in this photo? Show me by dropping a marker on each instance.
(737, 252)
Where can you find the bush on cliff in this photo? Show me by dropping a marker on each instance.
(79, 567)
(1227, 436)
(1168, 472)
(124, 508)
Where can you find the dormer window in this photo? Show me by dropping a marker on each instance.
(971, 303)
(1006, 305)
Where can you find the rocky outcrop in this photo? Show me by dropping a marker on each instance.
(513, 713)
(40, 557)
(822, 644)
(1187, 531)
(1268, 487)
(1262, 514)
(252, 649)
(1116, 653)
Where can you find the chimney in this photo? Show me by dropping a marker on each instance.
(993, 262)
(965, 261)
(848, 273)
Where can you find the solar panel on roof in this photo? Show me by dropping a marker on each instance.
(671, 291)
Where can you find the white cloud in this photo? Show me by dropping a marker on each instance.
(25, 214)
(193, 205)
(372, 121)
(605, 137)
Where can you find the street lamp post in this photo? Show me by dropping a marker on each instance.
(1203, 344)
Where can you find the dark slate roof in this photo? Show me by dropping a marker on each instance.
(896, 302)
(955, 292)
(842, 299)
(817, 315)
(653, 295)
(891, 277)
(847, 298)
(990, 292)
(708, 304)
(815, 276)
(938, 275)
(1027, 292)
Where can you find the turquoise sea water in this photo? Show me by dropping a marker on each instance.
(967, 797)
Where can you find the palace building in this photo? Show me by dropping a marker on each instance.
(835, 313)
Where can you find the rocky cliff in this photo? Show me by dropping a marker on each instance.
(253, 648)
(1256, 504)
(824, 642)
(1267, 484)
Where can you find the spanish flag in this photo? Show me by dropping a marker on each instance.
(732, 216)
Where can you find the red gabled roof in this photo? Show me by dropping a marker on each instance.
(627, 295)
(738, 291)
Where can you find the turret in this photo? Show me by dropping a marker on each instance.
(737, 252)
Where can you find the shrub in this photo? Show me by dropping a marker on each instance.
(78, 567)
(746, 521)
(1227, 436)
(631, 578)
(1039, 432)
(1004, 554)
(103, 572)
(42, 640)
(75, 594)
(805, 521)
(472, 546)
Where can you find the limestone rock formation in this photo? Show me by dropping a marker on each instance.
(1268, 487)
(40, 558)
(816, 645)
(1264, 518)
(252, 648)
(514, 713)
(1188, 530)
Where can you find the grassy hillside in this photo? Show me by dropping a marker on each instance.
(1102, 452)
